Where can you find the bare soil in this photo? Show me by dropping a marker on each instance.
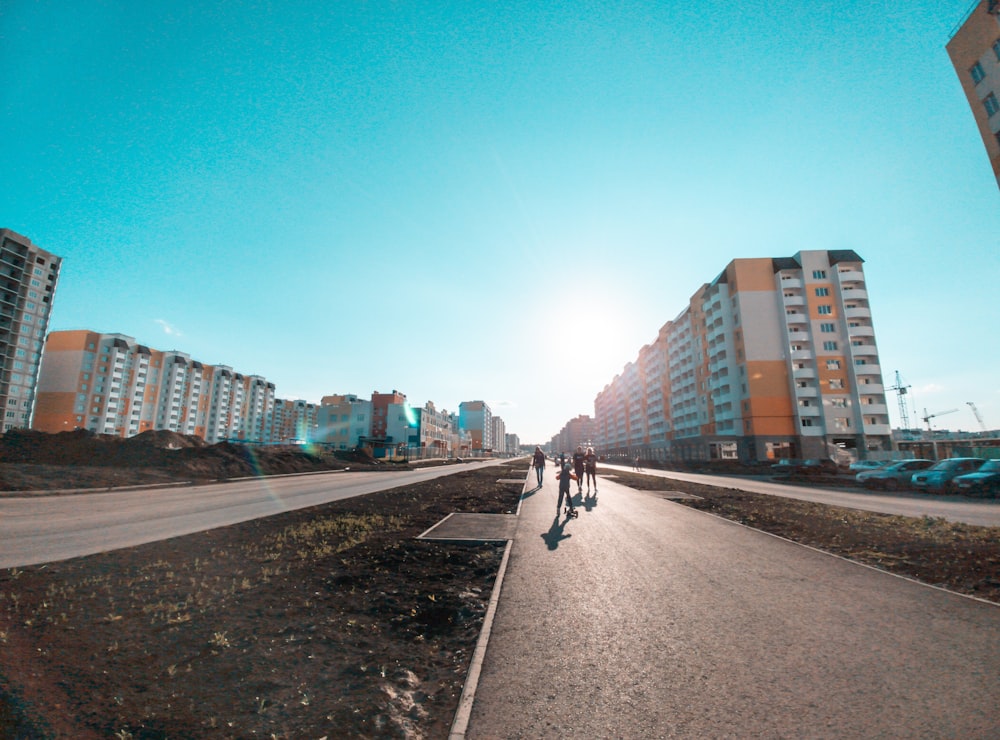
(329, 622)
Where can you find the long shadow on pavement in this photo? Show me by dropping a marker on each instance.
(555, 534)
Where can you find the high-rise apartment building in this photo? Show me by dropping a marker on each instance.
(110, 384)
(775, 358)
(975, 53)
(28, 278)
(578, 432)
(292, 422)
(476, 418)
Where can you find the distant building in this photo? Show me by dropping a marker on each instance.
(28, 279)
(403, 425)
(438, 432)
(110, 384)
(578, 432)
(774, 358)
(513, 444)
(380, 411)
(975, 54)
(342, 421)
(498, 433)
(476, 418)
(292, 422)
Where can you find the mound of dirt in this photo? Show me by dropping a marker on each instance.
(38, 461)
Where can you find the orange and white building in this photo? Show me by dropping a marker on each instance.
(28, 278)
(776, 357)
(974, 50)
(110, 384)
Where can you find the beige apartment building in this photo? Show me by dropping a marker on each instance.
(28, 279)
(110, 384)
(774, 358)
(975, 53)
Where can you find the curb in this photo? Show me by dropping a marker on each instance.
(460, 724)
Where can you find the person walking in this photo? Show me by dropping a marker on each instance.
(590, 466)
(538, 463)
(578, 460)
(565, 481)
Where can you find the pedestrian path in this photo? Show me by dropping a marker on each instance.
(644, 618)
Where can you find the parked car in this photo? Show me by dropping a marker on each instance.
(985, 482)
(893, 476)
(813, 466)
(860, 466)
(939, 476)
(786, 466)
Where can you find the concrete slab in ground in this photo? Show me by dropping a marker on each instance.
(460, 527)
(675, 495)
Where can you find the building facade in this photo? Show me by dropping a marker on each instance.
(110, 384)
(578, 432)
(476, 418)
(342, 421)
(775, 358)
(28, 279)
(974, 50)
(292, 422)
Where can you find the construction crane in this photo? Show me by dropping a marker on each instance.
(900, 389)
(979, 417)
(927, 417)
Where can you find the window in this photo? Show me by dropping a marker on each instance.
(833, 364)
(826, 310)
(976, 71)
(829, 346)
(819, 274)
(991, 104)
(827, 328)
(836, 383)
(807, 422)
(822, 292)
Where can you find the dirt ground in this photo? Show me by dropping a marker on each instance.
(328, 622)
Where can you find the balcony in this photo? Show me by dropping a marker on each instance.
(881, 430)
(861, 331)
(864, 350)
(794, 300)
(808, 392)
(852, 293)
(803, 373)
(809, 411)
(801, 354)
(869, 369)
(851, 276)
(790, 282)
(858, 312)
(873, 409)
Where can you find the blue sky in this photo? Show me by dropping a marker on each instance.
(497, 201)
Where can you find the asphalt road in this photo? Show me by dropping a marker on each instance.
(644, 618)
(43, 529)
(985, 513)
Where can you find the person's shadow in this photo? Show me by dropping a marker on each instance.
(532, 492)
(555, 533)
(589, 501)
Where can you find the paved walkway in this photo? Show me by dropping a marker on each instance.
(643, 618)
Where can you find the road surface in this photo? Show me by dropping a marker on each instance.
(645, 618)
